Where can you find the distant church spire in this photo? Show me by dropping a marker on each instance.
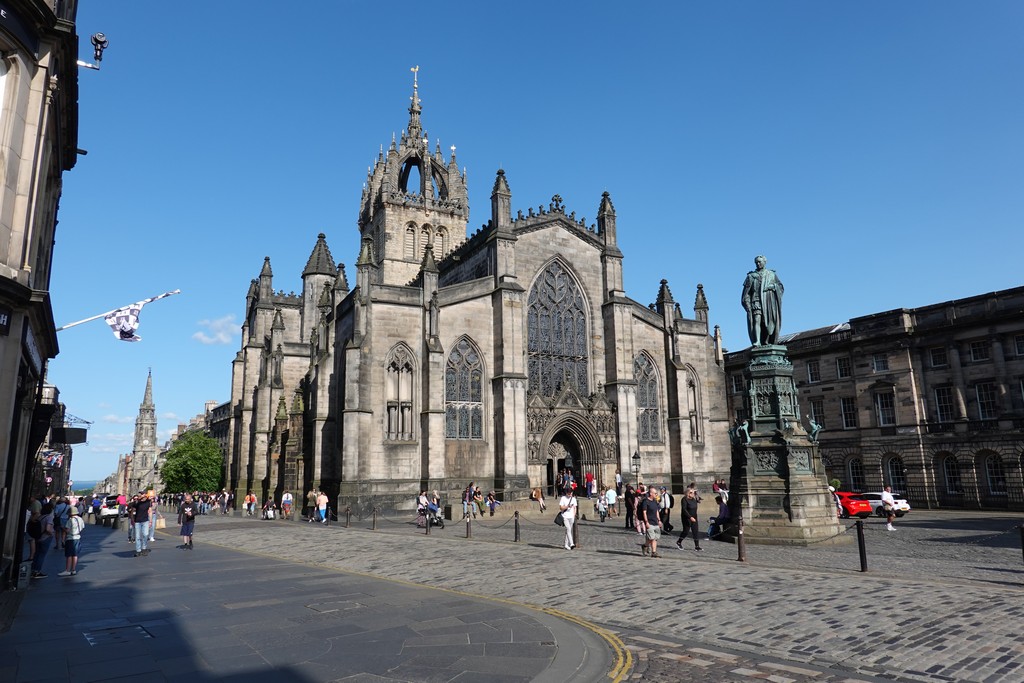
(147, 399)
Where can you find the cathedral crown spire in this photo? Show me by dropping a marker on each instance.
(147, 399)
(415, 129)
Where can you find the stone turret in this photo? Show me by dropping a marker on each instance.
(319, 272)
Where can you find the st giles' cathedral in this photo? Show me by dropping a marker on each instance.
(499, 358)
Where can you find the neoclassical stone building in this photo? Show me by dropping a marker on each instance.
(499, 357)
(929, 400)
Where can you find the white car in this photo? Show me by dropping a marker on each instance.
(108, 508)
(875, 501)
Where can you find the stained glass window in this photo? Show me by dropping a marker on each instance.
(463, 393)
(556, 334)
(647, 395)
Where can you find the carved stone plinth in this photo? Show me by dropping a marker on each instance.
(778, 482)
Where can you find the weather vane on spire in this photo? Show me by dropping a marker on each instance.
(415, 74)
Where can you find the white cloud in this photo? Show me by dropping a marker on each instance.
(119, 419)
(219, 331)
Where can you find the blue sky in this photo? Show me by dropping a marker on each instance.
(872, 150)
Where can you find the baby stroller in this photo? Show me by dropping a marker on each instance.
(423, 513)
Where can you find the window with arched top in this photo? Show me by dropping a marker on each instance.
(556, 333)
(463, 393)
(896, 474)
(951, 475)
(995, 475)
(440, 242)
(399, 393)
(424, 240)
(855, 469)
(410, 242)
(647, 399)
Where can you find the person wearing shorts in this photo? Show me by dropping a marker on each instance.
(73, 542)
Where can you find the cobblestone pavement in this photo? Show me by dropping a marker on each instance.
(943, 599)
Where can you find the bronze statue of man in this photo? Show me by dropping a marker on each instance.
(762, 300)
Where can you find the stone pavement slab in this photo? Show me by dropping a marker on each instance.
(214, 614)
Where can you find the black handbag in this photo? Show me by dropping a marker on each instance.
(559, 520)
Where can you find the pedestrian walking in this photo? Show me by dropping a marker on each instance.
(689, 519)
(311, 504)
(321, 507)
(286, 505)
(141, 519)
(889, 505)
(73, 543)
(649, 511)
(567, 504)
(187, 521)
(611, 499)
(44, 540)
(666, 503)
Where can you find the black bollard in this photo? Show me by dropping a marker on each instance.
(517, 526)
(348, 516)
(741, 544)
(374, 519)
(576, 534)
(861, 547)
(1021, 527)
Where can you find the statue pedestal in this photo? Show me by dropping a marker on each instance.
(777, 481)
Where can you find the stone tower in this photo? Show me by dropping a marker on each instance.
(412, 198)
(143, 472)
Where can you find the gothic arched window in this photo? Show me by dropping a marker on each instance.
(424, 240)
(399, 389)
(463, 393)
(440, 242)
(855, 468)
(410, 242)
(647, 399)
(556, 333)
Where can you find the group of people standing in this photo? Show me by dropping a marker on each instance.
(58, 521)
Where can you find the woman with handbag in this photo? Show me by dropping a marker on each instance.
(567, 505)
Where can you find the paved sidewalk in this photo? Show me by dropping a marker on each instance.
(944, 599)
(214, 614)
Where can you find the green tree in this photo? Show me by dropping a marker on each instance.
(194, 463)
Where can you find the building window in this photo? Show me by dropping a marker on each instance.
(463, 393)
(856, 472)
(885, 408)
(995, 475)
(399, 394)
(897, 475)
(818, 411)
(843, 367)
(944, 406)
(880, 362)
(410, 242)
(848, 406)
(1018, 344)
(440, 243)
(647, 399)
(951, 475)
(988, 400)
(980, 351)
(739, 385)
(556, 342)
(938, 357)
(813, 371)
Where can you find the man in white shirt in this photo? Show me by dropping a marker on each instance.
(567, 504)
(889, 505)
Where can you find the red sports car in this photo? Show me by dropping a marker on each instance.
(853, 505)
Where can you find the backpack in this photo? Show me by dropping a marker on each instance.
(35, 528)
(671, 500)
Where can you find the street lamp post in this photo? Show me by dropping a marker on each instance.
(636, 466)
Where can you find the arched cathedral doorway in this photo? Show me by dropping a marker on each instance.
(570, 452)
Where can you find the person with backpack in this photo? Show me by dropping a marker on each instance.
(43, 541)
(666, 504)
(60, 518)
(72, 544)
